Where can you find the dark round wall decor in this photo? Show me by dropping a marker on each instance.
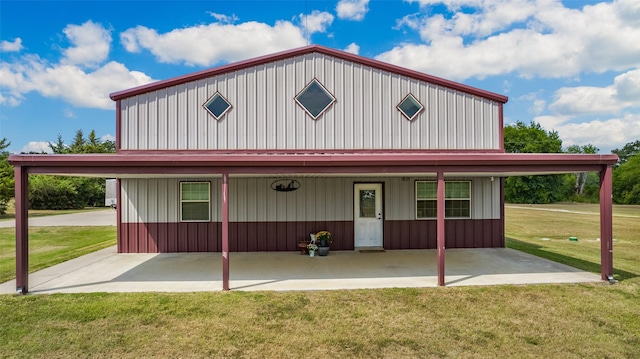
(285, 185)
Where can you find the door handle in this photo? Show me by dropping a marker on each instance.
(379, 215)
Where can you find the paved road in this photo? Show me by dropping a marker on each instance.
(105, 217)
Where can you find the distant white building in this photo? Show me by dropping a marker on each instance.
(110, 193)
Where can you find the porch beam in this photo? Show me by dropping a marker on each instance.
(440, 227)
(22, 228)
(225, 231)
(606, 223)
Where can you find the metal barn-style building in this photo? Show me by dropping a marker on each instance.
(255, 155)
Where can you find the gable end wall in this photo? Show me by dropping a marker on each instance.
(266, 116)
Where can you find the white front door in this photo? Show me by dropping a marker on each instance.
(367, 214)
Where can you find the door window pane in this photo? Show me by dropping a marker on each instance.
(367, 203)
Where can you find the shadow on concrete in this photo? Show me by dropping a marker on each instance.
(107, 271)
(581, 264)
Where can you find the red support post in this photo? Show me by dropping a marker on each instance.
(22, 229)
(440, 227)
(606, 223)
(119, 214)
(225, 231)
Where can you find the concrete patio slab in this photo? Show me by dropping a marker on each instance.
(108, 271)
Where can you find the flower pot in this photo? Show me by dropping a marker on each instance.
(323, 251)
(312, 253)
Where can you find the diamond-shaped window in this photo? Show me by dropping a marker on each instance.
(315, 99)
(217, 105)
(410, 107)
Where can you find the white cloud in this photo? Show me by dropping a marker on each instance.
(527, 37)
(68, 113)
(225, 19)
(352, 48)
(605, 134)
(616, 105)
(68, 80)
(9, 101)
(108, 137)
(317, 21)
(538, 105)
(588, 100)
(11, 46)
(37, 146)
(206, 45)
(352, 9)
(90, 44)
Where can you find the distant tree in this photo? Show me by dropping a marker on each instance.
(79, 144)
(59, 147)
(624, 153)
(47, 192)
(581, 177)
(6, 176)
(626, 181)
(93, 145)
(532, 138)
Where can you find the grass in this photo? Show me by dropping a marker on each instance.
(567, 321)
(527, 227)
(52, 245)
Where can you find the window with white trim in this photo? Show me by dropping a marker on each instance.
(217, 105)
(195, 198)
(315, 99)
(410, 107)
(457, 199)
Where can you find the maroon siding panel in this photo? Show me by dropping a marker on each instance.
(123, 239)
(459, 233)
(243, 237)
(172, 234)
(284, 236)
(163, 238)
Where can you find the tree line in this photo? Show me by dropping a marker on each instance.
(578, 187)
(58, 192)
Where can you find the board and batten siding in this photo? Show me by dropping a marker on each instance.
(264, 114)
(317, 199)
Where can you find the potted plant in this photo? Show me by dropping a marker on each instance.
(312, 249)
(323, 238)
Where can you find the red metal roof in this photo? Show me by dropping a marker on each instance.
(319, 162)
(303, 51)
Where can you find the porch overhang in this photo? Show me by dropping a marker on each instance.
(275, 162)
(134, 164)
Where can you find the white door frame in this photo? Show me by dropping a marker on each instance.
(368, 230)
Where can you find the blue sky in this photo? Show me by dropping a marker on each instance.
(572, 65)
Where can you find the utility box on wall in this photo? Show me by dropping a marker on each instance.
(110, 199)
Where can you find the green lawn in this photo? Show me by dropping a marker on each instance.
(52, 245)
(527, 321)
(526, 228)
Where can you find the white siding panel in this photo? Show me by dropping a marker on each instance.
(485, 198)
(264, 114)
(317, 199)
